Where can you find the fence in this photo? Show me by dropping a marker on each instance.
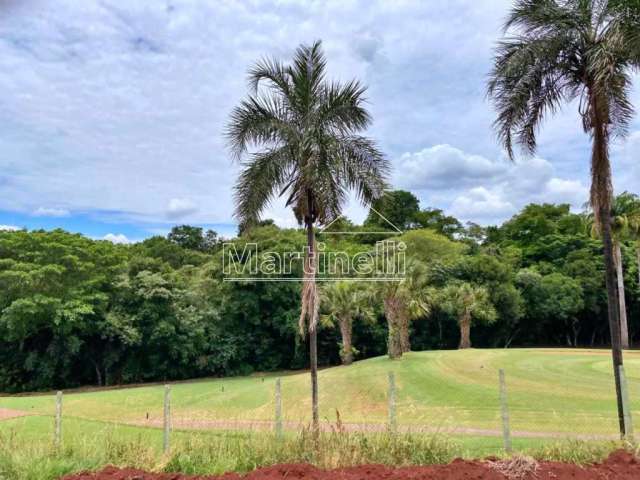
(486, 418)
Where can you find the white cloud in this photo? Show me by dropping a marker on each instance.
(116, 238)
(481, 205)
(443, 167)
(479, 189)
(118, 107)
(51, 212)
(180, 208)
(9, 228)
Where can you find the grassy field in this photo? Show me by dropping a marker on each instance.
(550, 391)
(554, 395)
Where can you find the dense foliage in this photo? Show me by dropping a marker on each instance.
(79, 311)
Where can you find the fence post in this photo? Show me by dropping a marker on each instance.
(167, 419)
(504, 408)
(626, 410)
(58, 422)
(393, 423)
(278, 423)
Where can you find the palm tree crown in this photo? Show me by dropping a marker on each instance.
(306, 131)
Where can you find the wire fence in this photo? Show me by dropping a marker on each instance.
(512, 413)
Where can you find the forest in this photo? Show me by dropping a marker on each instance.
(77, 311)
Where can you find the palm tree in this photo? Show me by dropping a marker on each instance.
(557, 51)
(469, 303)
(345, 301)
(405, 298)
(625, 213)
(304, 130)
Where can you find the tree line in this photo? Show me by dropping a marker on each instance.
(77, 311)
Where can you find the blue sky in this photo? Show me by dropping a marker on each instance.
(112, 112)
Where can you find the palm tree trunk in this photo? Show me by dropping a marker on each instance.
(405, 341)
(638, 260)
(601, 192)
(394, 347)
(624, 328)
(346, 352)
(465, 331)
(310, 304)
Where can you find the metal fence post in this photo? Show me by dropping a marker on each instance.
(167, 419)
(504, 409)
(393, 423)
(626, 407)
(278, 423)
(58, 422)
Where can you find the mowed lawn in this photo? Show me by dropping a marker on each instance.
(561, 391)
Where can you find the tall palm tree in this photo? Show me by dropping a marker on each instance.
(556, 51)
(469, 303)
(304, 132)
(345, 301)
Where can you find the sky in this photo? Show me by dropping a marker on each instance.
(112, 113)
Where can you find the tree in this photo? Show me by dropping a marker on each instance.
(551, 299)
(404, 299)
(193, 238)
(436, 219)
(557, 51)
(625, 214)
(305, 130)
(469, 303)
(345, 301)
(396, 208)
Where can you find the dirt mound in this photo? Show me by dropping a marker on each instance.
(620, 465)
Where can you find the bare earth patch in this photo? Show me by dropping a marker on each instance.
(267, 425)
(620, 465)
(6, 413)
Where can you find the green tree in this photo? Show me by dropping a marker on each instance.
(557, 51)
(404, 299)
(437, 220)
(553, 298)
(194, 238)
(469, 303)
(625, 214)
(305, 130)
(396, 208)
(343, 302)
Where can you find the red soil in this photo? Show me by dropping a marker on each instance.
(620, 465)
(6, 413)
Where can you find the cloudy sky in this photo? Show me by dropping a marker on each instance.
(112, 111)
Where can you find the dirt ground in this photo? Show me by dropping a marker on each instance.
(620, 465)
(268, 425)
(6, 413)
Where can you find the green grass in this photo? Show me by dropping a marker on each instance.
(27, 451)
(550, 390)
(553, 395)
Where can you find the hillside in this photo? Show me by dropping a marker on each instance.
(550, 391)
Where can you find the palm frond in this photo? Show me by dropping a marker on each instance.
(362, 167)
(263, 175)
(258, 120)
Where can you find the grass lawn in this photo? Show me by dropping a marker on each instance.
(554, 394)
(550, 390)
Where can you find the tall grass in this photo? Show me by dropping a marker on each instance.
(209, 453)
